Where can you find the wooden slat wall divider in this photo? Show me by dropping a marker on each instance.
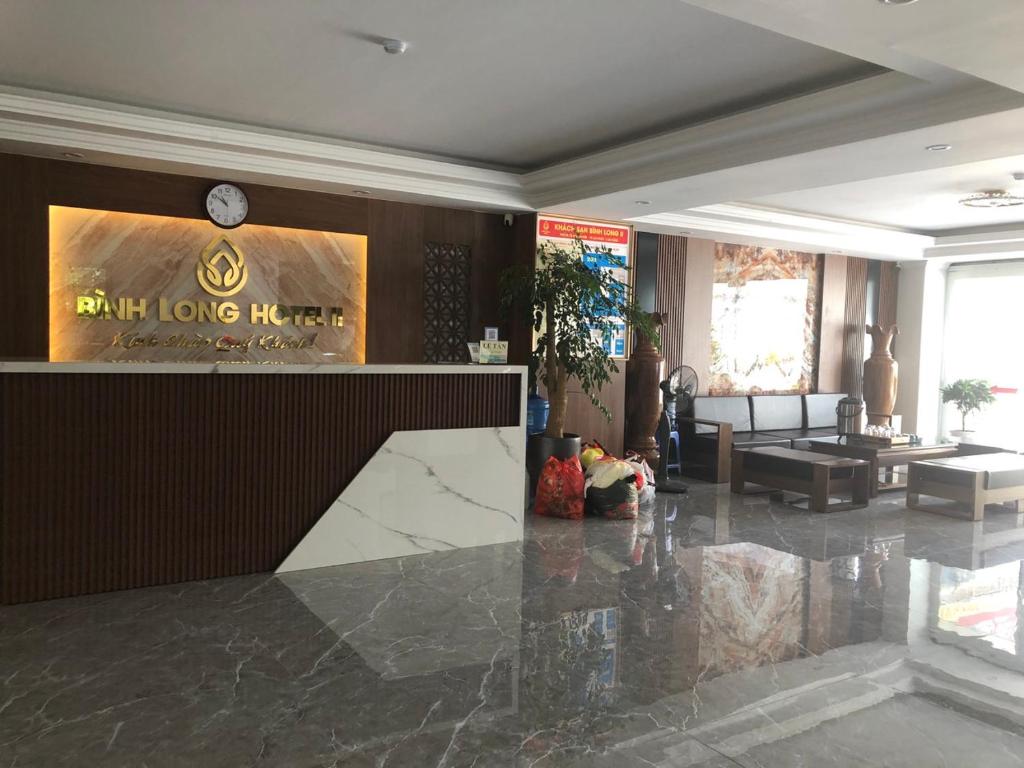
(115, 481)
(670, 296)
(888, 287)
(853, 335)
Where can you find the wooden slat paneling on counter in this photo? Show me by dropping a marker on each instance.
(116, 481)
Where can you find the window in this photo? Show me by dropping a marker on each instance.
(984, 329)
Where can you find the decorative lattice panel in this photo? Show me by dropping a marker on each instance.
(445, 303)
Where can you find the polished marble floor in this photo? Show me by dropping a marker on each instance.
(715, 631)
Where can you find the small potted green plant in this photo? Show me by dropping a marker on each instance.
(571, 307)
(968, 395)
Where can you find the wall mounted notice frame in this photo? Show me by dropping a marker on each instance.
(560, 231)
(140, 288)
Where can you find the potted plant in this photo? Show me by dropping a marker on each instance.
(571, 306)
(968, 395)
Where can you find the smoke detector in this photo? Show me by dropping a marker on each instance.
(994, 198)
(394, 46)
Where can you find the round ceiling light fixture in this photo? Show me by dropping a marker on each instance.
(393, 46)
(642, 202)
(939, 147)
(897, 2)
(995, 198)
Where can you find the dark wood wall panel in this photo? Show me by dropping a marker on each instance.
(583, 419)
(853, 327)
(113, 481)
(82, 185)
(396, 235)
(394, 296)
(888, 286)
(24, 259)
(670, 297)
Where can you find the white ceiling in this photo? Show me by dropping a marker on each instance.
(516, 83)
(797, 121)
(925, 201)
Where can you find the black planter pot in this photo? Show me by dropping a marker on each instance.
(540, 447)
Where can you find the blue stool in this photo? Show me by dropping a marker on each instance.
(673, 441)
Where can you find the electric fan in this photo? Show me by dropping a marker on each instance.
(677, 394)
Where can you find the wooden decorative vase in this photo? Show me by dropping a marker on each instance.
(643, 396)
(881, 376)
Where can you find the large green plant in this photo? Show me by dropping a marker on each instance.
(571, 306)
(969, 395)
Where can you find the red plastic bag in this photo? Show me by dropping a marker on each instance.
(560, 489)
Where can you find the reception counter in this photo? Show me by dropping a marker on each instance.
(115, 476)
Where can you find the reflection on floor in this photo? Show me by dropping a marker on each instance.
(717, 630)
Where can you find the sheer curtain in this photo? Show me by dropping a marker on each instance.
(984, 339)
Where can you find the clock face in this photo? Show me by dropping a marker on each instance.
(227, 205)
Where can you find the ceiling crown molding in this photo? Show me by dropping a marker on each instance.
(748, 224)
(45, 124)
(869, 108)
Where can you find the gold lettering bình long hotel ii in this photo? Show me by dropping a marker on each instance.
(121, 283)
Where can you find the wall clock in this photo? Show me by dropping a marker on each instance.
(227, 206)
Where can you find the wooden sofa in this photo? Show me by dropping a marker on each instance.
(719, 424)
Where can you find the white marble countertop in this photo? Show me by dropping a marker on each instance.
(250, 368)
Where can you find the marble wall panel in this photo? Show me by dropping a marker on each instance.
(152, 257)
(792, 365)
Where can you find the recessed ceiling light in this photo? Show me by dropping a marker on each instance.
(939, 147)
(393, 46)
(996, 198)
(360, 191)
(643, 202)
(897, 2)
(73, 155)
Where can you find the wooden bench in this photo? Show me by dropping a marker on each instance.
(970, 482)
(816, 475)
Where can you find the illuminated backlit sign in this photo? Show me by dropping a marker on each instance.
(153, 288)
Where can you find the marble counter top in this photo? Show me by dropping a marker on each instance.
(243, 368)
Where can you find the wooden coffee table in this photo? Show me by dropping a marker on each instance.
(880, 457)
(816, 475)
